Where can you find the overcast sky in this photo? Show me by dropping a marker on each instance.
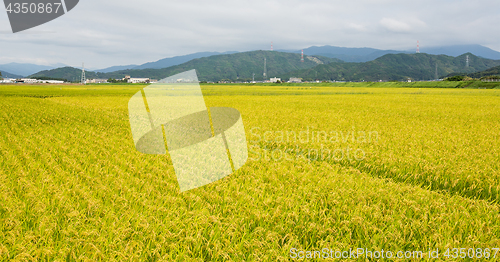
(121, 32)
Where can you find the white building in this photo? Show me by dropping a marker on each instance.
(138, 80)
(31, 81)
(51, 81)
(295, 80)
(8, 80)
(275, 80)
(96, 81)
(27, 80)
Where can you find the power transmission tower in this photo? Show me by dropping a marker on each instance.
(436, 71)
(265, 68)
(83, 81)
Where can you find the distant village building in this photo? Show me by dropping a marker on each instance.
(295, 80)
(136, 80)
(96, 81)
(51, 81)
(27, 80)
(275, 80)
(38, 81)
(8, 80)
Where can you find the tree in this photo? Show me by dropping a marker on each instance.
(455, 78)
(1, 78)
(112, 80)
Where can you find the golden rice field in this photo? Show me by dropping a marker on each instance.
(335, 167)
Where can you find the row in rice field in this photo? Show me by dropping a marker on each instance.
(72, 185)
(439, 139)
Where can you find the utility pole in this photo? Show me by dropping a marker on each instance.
(437, 71)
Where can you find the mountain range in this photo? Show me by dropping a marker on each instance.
(346, 54)
(163, 63)
(243, 66)
(71, 74)
(494, 71)
(360, 55)
(234, 67)
(24, 69)
(398, 67)
(6, 74)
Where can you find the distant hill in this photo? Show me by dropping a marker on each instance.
(396, 67)
(177, 60)
(494, 71)
(365, 54)
(114, 68)
(23, 69)
(348, 54)
(241, 66)
(162, 63)
(70, 73)
(477, 50)
(238, 66)
(6, 74)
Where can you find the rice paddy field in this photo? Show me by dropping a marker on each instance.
(333, 167)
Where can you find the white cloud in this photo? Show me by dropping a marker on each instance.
(395, 25)
(356, 27)
(114, 32)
